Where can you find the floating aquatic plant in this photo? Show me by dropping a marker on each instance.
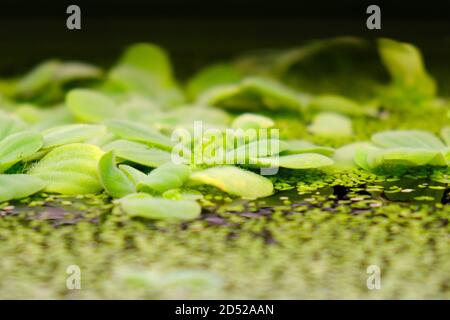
(115, 132)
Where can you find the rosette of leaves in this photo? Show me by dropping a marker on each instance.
(397, 151)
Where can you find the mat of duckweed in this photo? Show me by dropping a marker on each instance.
(314, 237)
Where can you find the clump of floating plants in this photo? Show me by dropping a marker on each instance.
(152, 143)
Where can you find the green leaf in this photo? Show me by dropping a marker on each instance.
(218, 74)
(251, 94)
(165, 177)
(405, 65)
(133, 174)
(296, 161)
(10, 124)
(17, 186)
(71, 133)
(114, 181)
(129, 79)
(235, 181)
(302, 146)
(406, 157)
(138, 132)
(70, 169)
(17, 147)
(139, 153)
(69, 71)
(407, 139)
(160, 208)
(37, 79)
(445, 134)
(91, 106)
(331, 125)
(252, 121)
(362, 154)
(151, 59)
(344, 157)
(255, 149)
(339, 104)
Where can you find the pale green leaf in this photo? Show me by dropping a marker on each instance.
(138, 132)
(235, 181)
(255, 149)
(115, 182)
(160, 208)
(251, 94)
(17, 147)
(296, 161)
(339, 104)
(303, 146)
(139, 153)
(405, 65)
(165, 177)
(16, 186)
(344, 157)
(407, 139)
(150, 59)
(252, 121)
(70, 169)
(71, 133)
(331, 125)
(37, 79)
(91, 106)
(406, 157)
(10, 124)
(135, 175)
(218, 74)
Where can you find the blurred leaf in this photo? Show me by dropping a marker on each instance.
(252, 121)
(303, 146)
(10, 124)
(17, 186)
(217, 74)
(92, 106)
(405, 65)
(160, 208)
(445, 133)
(407, 139)
(331, 125)
(253, 93)
(297, 161)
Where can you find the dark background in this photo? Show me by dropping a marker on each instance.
(196, 32)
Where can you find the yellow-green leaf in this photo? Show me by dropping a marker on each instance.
(115, 182)
(235, 181)
(70, 169)
(16, 186)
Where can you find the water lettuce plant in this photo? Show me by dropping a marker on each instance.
(73, 129)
